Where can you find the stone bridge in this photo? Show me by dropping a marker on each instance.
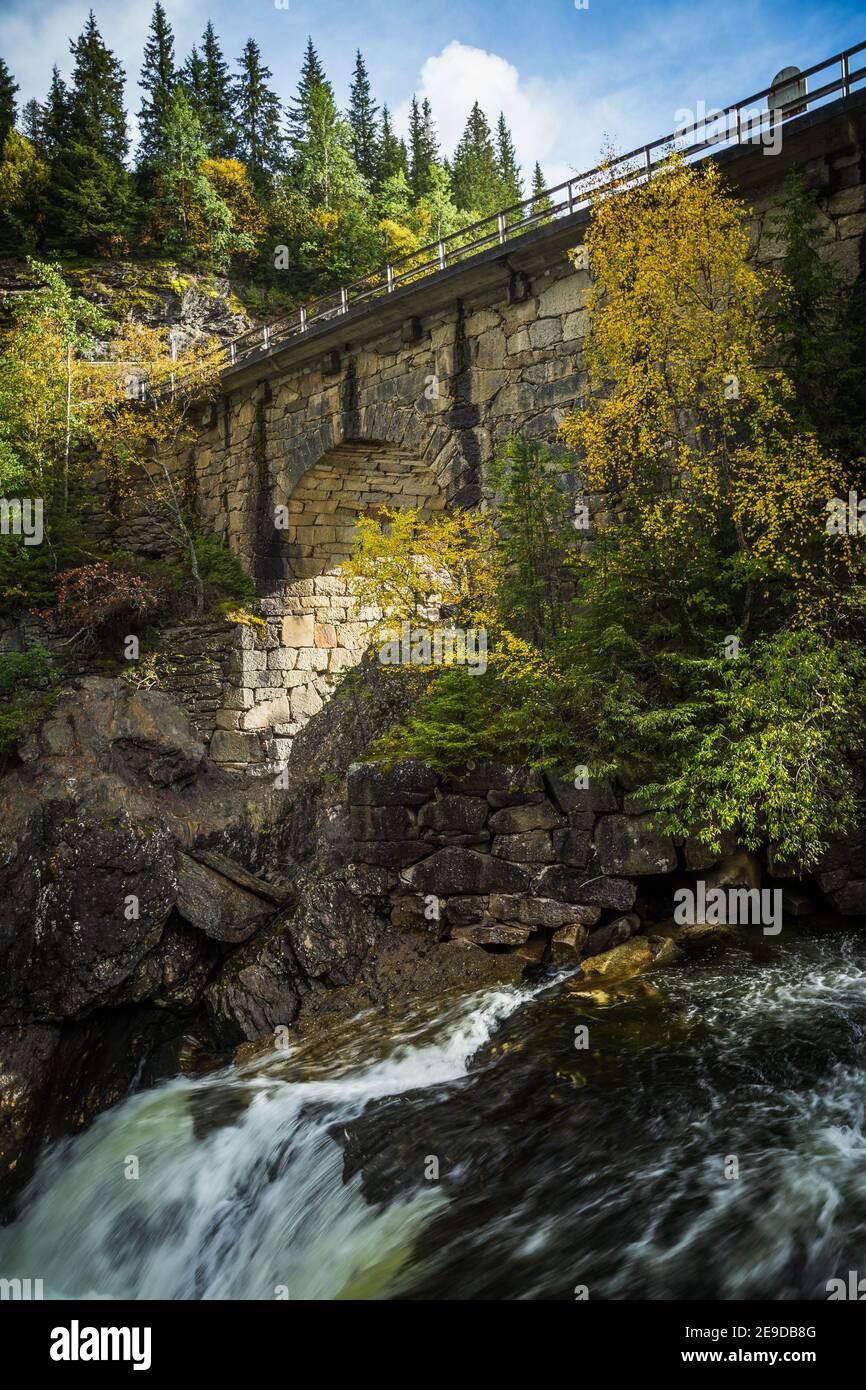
(403, 402)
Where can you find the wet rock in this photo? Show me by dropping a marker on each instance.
(535, 847)
(331, 931)
(413, 913)
(573, 886)
(490, 933)
(27, 1061)
(517, 820)
(366, 880)
(626, 845)
(541, 913)
(568, 942)
(464, 814)
(796, 904)
(630, 958)
(613, 934)
(456, 872)
(850, 900)
(217, 905)
(258, 989)
(408, 783)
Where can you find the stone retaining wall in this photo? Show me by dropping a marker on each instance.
(509, 858)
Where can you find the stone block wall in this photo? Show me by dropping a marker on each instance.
(513, 859)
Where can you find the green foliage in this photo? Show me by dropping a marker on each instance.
(33, 668)
(224, 576)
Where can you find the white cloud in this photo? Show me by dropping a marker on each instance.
(560, 122)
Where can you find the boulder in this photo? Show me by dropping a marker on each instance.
(454, 871)
(258, 988)
(215, 904)
(27, 1064)
(630, 958)
(626, 845)
(568, 942)
(331, 931)
(613, 934)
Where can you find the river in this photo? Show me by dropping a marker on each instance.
(708, 1141)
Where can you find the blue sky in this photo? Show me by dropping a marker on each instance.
(568, 80)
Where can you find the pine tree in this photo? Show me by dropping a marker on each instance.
(55, 114)
(474, 174)
(423, 148)
(327, 172)
(362, 122)
(511, 184)
(90, 197)
(157, 81)
(257, 116)
(298, 116)
(540, 200)
(391, 157)
(8, 107)
(217, 116)
(188, 216)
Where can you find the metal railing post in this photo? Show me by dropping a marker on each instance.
(267, 337)
(570, 197)
(441, 255)
(233, 352)
(500, 223)
(846, 76)
(389, 275)
(648, 160)
(344, 301)
(303, 319)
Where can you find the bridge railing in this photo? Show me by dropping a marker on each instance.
(746, 121)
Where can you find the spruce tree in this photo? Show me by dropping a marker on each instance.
(423, 148)
(257, 117)
(298, 115)
(55, 114)
(474, 174)
(192, 77)
(540, 200)
(216, 112)
(157, 81)
(391, 157)
(31, 124)
(8, 107)
(90, 199)
(362, 122)
(510, 182)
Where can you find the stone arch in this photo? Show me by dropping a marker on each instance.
(323, 631)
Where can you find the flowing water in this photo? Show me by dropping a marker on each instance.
(312, 1174)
